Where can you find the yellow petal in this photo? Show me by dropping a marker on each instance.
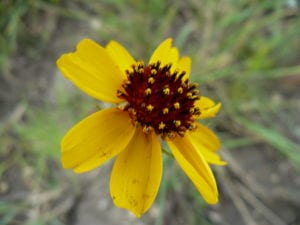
(208, 107)
(207, 143)
(136, 174)
(184, 64)
(92, 70)
(206, 137)
(165, 53)
(96, 139)
(195, 167)
(120, 55)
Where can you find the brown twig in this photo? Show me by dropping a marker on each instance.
(257, 204)
(238, 202)
(239, 172)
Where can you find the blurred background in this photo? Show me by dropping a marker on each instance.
(246, 54)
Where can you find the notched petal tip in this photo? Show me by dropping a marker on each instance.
(92, 70)
(168, 42)
(184, 64)
(86, 41)
(165, 53)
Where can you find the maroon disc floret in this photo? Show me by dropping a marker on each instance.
(160, 99)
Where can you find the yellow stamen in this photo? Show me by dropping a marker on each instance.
(177, 123)
(153, 71)
(140, 63)
(196, 92)
(192, 127)
(166, 91)
(171, 135)
(176, 105)
(161, 126)
(150, 107)
(180, 90)
(132, 111)
(141, 70)
(189, 95)
(148, 91)
(165, 111)
(181, 133)
(147, 129)
(151, 80)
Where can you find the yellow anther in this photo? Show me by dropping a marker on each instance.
(153, 71)
(161, 126)
(177, 123)
(171, 135)
(150, 107)
(192, 127)
(151, 80)
(132, 111)
(140, 63)
(147, 129)
(166, 91)
(181, 133)
(165, 111)
(141, 70)
(196, 92)
(176, 105)
(180, 90)
(189, 95)
(148, 91)
(192, 110)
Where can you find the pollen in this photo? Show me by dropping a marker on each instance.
(165, 111)
(148, 91)
(158, 99)
(180, 90)
(151, 80)
(166, 91)
(176, 105)
(161, 126)
(189, 95)
(140, 64)
(177, 123)
(153, 71)
(147, 129)
(150, 107)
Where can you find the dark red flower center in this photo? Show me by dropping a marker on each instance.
(159, 99)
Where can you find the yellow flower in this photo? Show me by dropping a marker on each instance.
(153, 102)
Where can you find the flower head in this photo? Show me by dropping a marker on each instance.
(153, 102)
